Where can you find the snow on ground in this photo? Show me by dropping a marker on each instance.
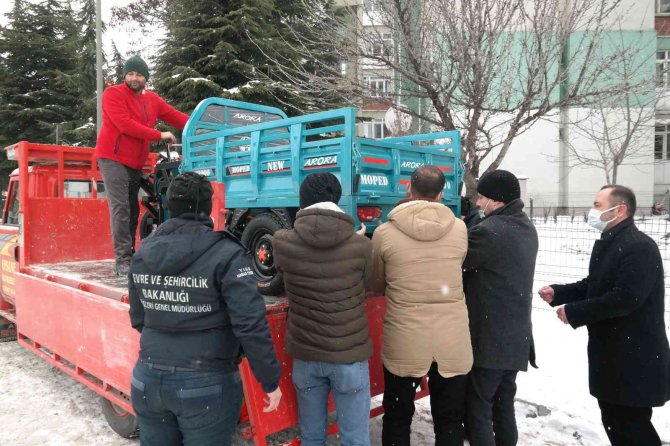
(42, 406)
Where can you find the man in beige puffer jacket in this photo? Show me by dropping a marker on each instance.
(417, 258)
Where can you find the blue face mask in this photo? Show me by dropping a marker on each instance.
(595, 221)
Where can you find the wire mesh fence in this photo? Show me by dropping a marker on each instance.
(565, 248)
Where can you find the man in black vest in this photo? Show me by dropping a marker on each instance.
(622, 303)
(194, 298)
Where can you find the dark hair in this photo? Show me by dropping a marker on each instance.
(622, 195)
(427, 181)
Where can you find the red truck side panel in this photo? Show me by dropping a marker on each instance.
(79, 231)
(85, 335)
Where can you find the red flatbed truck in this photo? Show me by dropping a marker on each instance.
(57, 285)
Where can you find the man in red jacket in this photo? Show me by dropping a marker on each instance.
(129, 114)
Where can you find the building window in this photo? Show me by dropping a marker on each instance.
(12, 216)
(375, 129)
(662, 68)
(663, 6)
(378, 87)
(372, 5)
(380, 45)
(661, 149)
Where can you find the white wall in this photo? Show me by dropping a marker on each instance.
(637, 14)
(535, 155)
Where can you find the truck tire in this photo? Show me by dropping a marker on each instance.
(121, 421)
(257, 237)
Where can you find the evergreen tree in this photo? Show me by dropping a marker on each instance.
(116, 76)
(219, 48)
(82, 81)
(36, 49)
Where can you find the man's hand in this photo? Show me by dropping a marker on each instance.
(169, 137)
(560, 312)
(362, 230)
(547, 294)
(272, 400)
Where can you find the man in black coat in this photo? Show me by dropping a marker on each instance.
(498, 281)
(622, 303)
(195, 301)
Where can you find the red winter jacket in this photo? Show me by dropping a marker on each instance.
(128, 121)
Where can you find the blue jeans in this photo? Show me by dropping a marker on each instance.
(350, 384)
(185, 408)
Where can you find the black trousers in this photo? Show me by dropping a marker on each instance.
(447, 405)
(628, 426)
(490, 407)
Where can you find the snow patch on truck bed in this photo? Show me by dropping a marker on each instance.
(101, 272)
(95, 271)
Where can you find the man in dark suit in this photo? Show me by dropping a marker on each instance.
(622, 303)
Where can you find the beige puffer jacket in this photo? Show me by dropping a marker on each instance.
(417, 259)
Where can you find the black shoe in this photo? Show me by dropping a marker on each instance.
(122, 269)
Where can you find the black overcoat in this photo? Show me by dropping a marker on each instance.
(498, 280)
(622, 304)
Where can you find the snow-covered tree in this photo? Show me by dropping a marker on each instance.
(82, 80)
(222, 48)
(116, 69)
(36, 51)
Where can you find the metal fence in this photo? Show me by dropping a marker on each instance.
(566, 243)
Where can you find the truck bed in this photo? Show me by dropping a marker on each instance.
(99, 276)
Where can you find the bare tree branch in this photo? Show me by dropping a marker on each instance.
(490, 68)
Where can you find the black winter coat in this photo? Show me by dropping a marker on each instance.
(498, 280)
(195, 300)
(622, 303)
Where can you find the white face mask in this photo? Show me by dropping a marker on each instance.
(595, 221)
(482, 212)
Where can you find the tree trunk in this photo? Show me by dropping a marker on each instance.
(470, 181)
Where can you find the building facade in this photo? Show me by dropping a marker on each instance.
(662, 128)
(537, 153)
